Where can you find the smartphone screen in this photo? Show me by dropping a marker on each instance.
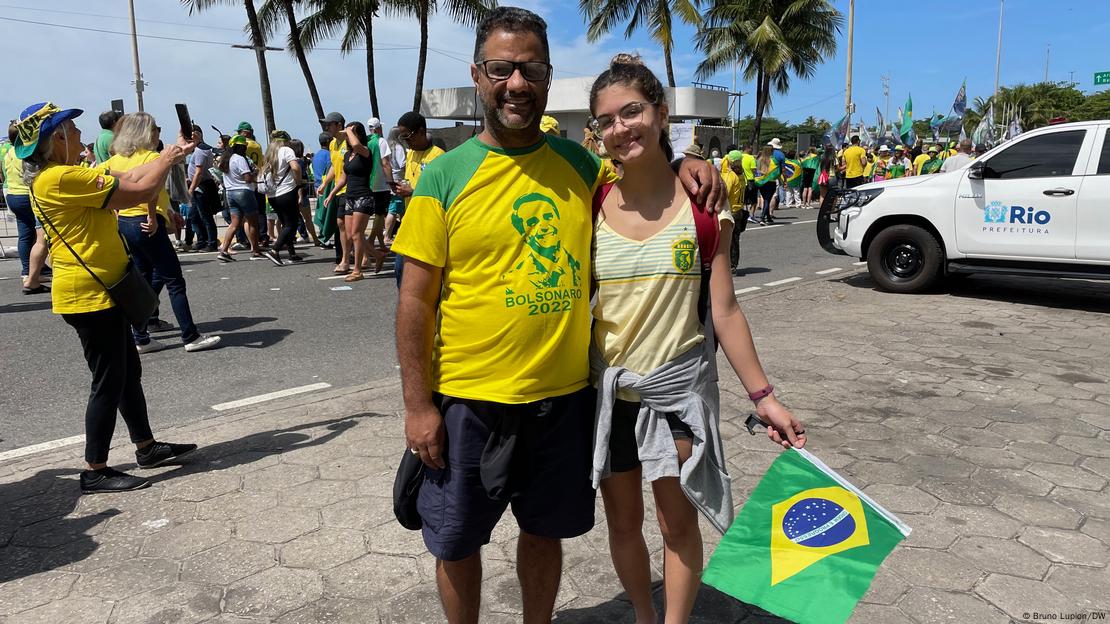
(185, 121)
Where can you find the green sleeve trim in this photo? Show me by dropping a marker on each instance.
(586, 164)
(111, 191)
(445, 177)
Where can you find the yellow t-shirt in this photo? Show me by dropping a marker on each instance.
(735, 187)
(919, 162)
(749, 163)
(337, 149)
(511, 229)
(416, 161)
(647, 293)
(853, 168)
(13, 174)
(75, 200)
(119, 163)
(254, 152)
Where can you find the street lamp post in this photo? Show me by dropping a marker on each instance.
(848, 86)
(998, 54)
(139, 84)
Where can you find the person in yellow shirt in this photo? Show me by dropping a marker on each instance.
(920, 160)
(855, 164)
(413, 133)
(76, 207)
(493, 323)
(144, 226)
(32, 243)
(333, 124)
(254, 154)
(737, 185)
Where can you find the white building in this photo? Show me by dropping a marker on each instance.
(568, 101)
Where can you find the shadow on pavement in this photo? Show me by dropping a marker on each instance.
(41, 529)
(1037, 291)
(710, 606)
(233, 323)
(259, 339)
(25, 306)
(754, 270)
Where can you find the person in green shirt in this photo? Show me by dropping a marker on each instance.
(933, 163)
(108, 121)
(751, 195)
(810, 164)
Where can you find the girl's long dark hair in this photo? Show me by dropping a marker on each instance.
(628, 70)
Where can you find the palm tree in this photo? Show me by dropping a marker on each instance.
(355, 20)
(770, 39)
(655, 15)
(258, 43)
(270, 15)
(466, 12)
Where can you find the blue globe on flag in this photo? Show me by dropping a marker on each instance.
(817, 522)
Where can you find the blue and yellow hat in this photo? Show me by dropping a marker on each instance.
(36, 121)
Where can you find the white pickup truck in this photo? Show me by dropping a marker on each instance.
(1036, 205)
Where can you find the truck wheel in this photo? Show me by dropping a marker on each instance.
(905, 259)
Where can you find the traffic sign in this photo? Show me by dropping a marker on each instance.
(1102, 78)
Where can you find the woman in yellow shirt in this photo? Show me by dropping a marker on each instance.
(76, 206)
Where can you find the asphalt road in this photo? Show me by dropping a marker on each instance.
(281, 328)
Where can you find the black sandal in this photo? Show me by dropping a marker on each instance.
(37, 290)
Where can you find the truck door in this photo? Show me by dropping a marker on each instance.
(1092, 240)
(1021, 202)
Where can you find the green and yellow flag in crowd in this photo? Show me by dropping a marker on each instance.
(806, 545)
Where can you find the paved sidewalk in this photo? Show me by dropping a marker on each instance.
(981, 417)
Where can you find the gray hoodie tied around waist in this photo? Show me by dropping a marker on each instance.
(687, 387)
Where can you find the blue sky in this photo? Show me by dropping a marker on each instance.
(87, 69)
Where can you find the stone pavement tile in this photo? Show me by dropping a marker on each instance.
(35, 590)
(1088, 503)
(879, 614)
(1086, 587)
(200, 487)
(1012, 481)
(1038, 510)
(228, 562)
(358, 512)
(73, 610)
(929, 530)
(1043, 451)
(979, 437)
(1086, 446)
(991, 458)
(1070, 476)
(100, 552)
(1066, 546)
(236, 505)
(998, 555)
(1022, 432)
(277, 525)
(373, 577)
(127, 578)
(318, 493)
(959, 492)
(1019, 598)
(184, 540)
(349, 611)
(887, 587)
(141, 520)
(902, 498)
(941, 467)
(273, 592)
(939, 569)
(180, 603)
(391, 538)
(324, 549)
(1097, 528)
(278, 477)
(931, 606)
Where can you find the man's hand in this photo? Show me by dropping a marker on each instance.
(151, 226)
(424, 433)
(178, 220)
(703, 181)
(782, 427)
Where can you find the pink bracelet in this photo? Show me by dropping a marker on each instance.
(760, 394)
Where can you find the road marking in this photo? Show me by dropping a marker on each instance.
(748, 290)
(784, 281)
(39, 448)
(270, 396)
(827, 271)
(331, 277)
(859, 263)
(801, 222)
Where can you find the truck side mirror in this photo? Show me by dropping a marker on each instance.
(975, 172)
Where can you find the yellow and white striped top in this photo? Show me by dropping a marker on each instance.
(647, 293)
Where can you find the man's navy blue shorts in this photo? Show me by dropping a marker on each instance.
(548, 477)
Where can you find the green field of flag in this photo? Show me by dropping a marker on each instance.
(806, 545)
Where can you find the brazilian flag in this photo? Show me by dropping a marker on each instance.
(806, 544)
(792, 172)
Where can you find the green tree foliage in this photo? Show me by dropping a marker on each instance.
(657, 16)
(271, 16)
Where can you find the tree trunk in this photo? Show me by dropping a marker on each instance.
(370, 64)
(762, 84)
(298, 49)
(670, 66)
(259, 45)
(423, 58)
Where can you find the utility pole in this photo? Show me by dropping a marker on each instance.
(139, 84)
(848, 86)
(1047, 51)
(998, 54)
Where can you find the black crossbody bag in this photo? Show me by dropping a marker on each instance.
(132, 293)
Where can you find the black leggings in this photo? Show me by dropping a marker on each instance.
(116, 380)
(289, 212)
(767, 192)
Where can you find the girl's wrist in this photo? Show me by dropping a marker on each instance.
(761, 394)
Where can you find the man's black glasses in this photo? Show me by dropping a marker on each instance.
(533, 71)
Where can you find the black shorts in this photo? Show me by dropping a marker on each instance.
(381, 203)
(751, 194)
(361, 205)
(807, 178)
(854, 182)
(623, 454)
(551, 494)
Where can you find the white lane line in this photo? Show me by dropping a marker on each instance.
(784, 281)
(827, 271)
(748, 290)
(801, 222)
(859, 264)
(270, 396)
(39, 448)
(331, 277)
